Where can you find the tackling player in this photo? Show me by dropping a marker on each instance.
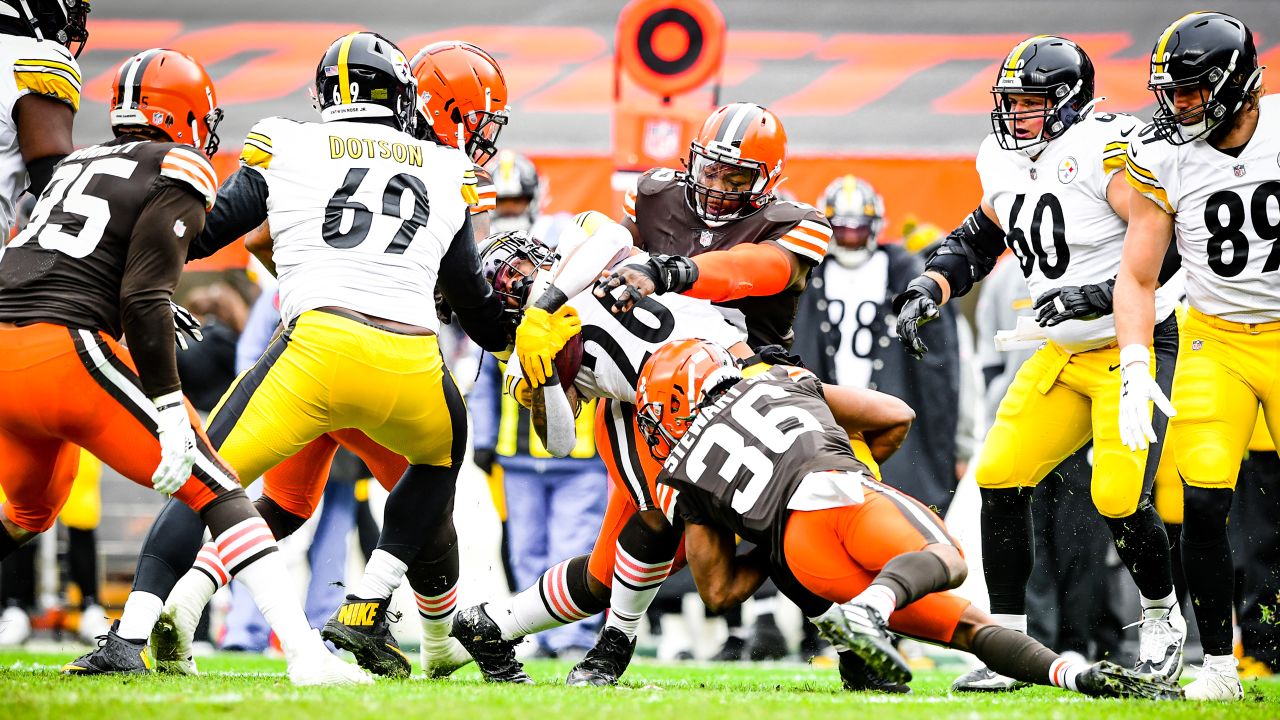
(1054, 193)
(1205, 172)
(99, 261)
(763, 458)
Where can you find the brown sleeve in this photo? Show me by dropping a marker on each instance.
(157, 252)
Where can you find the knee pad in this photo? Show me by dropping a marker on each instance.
(1116, 499)
(1203, 460)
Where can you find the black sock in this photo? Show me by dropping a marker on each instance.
(169, 549)
(18, 577)
(1013, 654)
(281, 522)
(913, 575)
(1144, 549)
(415, 506)
(8, 545)
(1174, 532)
(1206, 557)
(82, 562)
(435, 570)
(1007, 550)
(576, 573)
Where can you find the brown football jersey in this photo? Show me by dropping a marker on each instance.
(659, 206)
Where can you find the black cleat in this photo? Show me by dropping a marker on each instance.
(495, 657)
(114, 655)
(1106, 679)
(605, 662)
(731, 651)
(360, 627)
(857, 678)
(767, 642)
(858, 628)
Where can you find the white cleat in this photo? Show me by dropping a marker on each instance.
(15, 627)
(326, 669)
(1217, 679)
(1161, 638)
(440, 658)
(984, 679)
(171, 644)
(93, 622)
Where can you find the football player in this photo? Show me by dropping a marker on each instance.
(365, 220)
(97, 262)
(1205, 172)
(450, 75)
(1054, 194)
(40, 103)
(763, 458)
(753, 257)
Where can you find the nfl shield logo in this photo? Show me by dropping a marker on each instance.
(1197, 344)
(1238, 170)
(661, 138)
(1033, 173)
(157, 118)
(705, 238)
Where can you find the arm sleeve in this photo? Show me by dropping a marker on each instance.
(478, 308)
(241, 207)
(152, 268)
(741, 271)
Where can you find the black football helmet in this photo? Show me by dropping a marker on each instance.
(1044, 65)
(512, 280)
(1208, 50)
(62, 21)
(364, 75)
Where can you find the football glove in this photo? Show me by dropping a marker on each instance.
(185, 325)
(915, 306)
(540, 336)
(666, 273)
(1137, 389)
(1074, 303)
(177, 443)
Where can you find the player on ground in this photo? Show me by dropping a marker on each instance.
(365, 220)
(753, 258)
(1205, 172)
(763, 458)
(1053, 191)
(98, 261)
(450, 75)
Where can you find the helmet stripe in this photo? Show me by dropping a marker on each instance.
(735, 126)
(1158, 59)
(130, 90)
(344, 75)
(1011, 63)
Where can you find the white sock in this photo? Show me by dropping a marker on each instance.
(436, 613)
(267, 579)
(1161, 607)
(1063, 673)
(522, 614)
(141, 610)
(1013, 622)
(880, 598)
(188, 598)
(635, 584)
(382, 575)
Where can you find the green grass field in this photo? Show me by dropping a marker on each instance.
(250, 687)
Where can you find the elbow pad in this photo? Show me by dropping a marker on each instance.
(40, 171)
(969, 253)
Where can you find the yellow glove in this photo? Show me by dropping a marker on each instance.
(539, 337)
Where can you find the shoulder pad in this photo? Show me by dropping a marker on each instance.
(47, 68)
(657, 180)
(486, 193)
(801, 229)
(791, 211)
(189, 166)
(257, 151)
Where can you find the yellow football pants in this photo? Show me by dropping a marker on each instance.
(329, 372)
(1225, 371)
(1056, 402)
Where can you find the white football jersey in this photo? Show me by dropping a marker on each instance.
(361, 215)
(1226, 216)
(27, 66)
(1056, 217)
(615, 347)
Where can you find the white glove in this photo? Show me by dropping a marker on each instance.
(177, 443)
(1137, 388)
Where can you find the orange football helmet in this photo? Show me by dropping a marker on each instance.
(735, 162)
(169, 91)
(672, 385)
(462, 98)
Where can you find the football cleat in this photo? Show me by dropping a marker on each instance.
(984, 679)
(481, 637)
(171, 645)
(93, 622)
(440, 658)
(114, 655)
(860, 629)
(1217, 679)
(605, 662)
(766, 642)
(856, 678)
(1106, 679)
(360, 627)
(318, 666)
(15, 627)
(1160, 643)
(731, 651)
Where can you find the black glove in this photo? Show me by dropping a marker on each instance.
(669, 273)
(444, 311)
(185, 325)
(778, 355)
(1074, 303)
(915, 306)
